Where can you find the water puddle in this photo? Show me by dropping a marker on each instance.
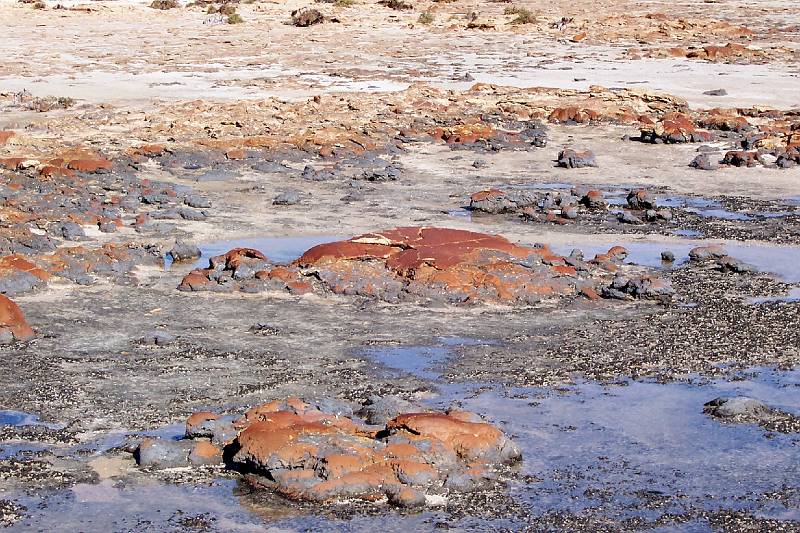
(277, 249)
(635, 450)
(461, 212)
(20, 446)
(643, 449)
(419, 361)
(686, 202)
(220, 505)
(772, 214)
(18, 418)
(781, 261)
(423, 362)
(723, 214)
(708, 208)
(690, 233)
(142, 505)
(629, 451)
(792, 296)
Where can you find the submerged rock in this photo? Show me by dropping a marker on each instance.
(746, 410)
(658, 215)
(163, 453)
(641, 199)
(205, 453)
(593, 199)
(197, 201)
(201, 424)
(731, 264)
(569, 212)
(388, 173)
(740, 158)
(405, 497)
(491, 201)
(629, 218)
(737, 406)
(184, 251)
(717, 257)
(703, 253)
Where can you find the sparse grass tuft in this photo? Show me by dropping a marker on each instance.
(524, 16)
(164, 4)
(236, 18)
(398, 5)
(425, 18)
(337, 3)
(305, 17)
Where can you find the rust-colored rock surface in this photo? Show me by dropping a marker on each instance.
(428, 263)
(304, 453)
(5, 135)
(481, 135)
(12, 320)
(674, 128)
(90, 165)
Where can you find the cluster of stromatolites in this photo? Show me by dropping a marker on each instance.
(305, 453)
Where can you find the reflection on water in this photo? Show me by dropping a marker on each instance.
(18, 418)
(633, 450)
(792, 296)
(419, 361)
(779, 260)
(141, 505)
(620, 445)
(277, 249)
